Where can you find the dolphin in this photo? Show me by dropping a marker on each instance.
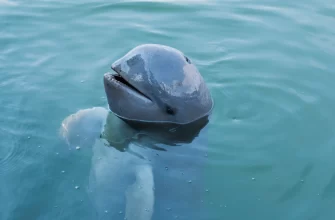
(157, 84)
(155, 96)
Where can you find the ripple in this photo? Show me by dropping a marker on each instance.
(269, 65)
(158, 6)
(7, 2)
(260, 104)
(21, 130)
(297, 187)
(12, 160)
(329, 190)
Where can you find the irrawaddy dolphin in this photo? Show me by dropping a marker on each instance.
(157, 84)
(156, 96)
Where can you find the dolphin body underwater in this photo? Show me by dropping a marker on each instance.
(156, 96)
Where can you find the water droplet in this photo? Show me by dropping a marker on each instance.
(120, 212)
(166, 168)
(190, 181)
(77, 148)
(206, 155)
(57, 153)
(39, 146)
(28, 137)
(76, 187)
(63, 171)
(106, 211)
(207, 190)
(168, 209)
(220, 205)
(56, 206)
(253, 178)
(82, 81)
(302, 180)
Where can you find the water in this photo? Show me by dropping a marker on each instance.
(267, 153)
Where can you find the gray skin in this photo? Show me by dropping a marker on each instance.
(157, 84)
(161, 98)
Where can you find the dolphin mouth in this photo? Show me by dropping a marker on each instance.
(116, 77)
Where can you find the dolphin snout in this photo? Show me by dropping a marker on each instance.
(116, 68)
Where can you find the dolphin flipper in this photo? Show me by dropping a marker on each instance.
(83, 127)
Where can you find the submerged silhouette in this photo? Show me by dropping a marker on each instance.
(125, 170)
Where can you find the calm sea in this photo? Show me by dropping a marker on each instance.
(267, 153)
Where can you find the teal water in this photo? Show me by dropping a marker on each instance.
(267, 153)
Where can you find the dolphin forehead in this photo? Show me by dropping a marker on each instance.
(174, 75)
(162, 67)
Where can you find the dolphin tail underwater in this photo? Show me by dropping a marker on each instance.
(141, 192)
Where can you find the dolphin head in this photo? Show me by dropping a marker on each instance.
(157, 83)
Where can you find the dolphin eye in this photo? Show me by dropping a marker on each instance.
(169, 110)
(187, 60)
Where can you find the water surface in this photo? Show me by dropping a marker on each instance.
(268, 151)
